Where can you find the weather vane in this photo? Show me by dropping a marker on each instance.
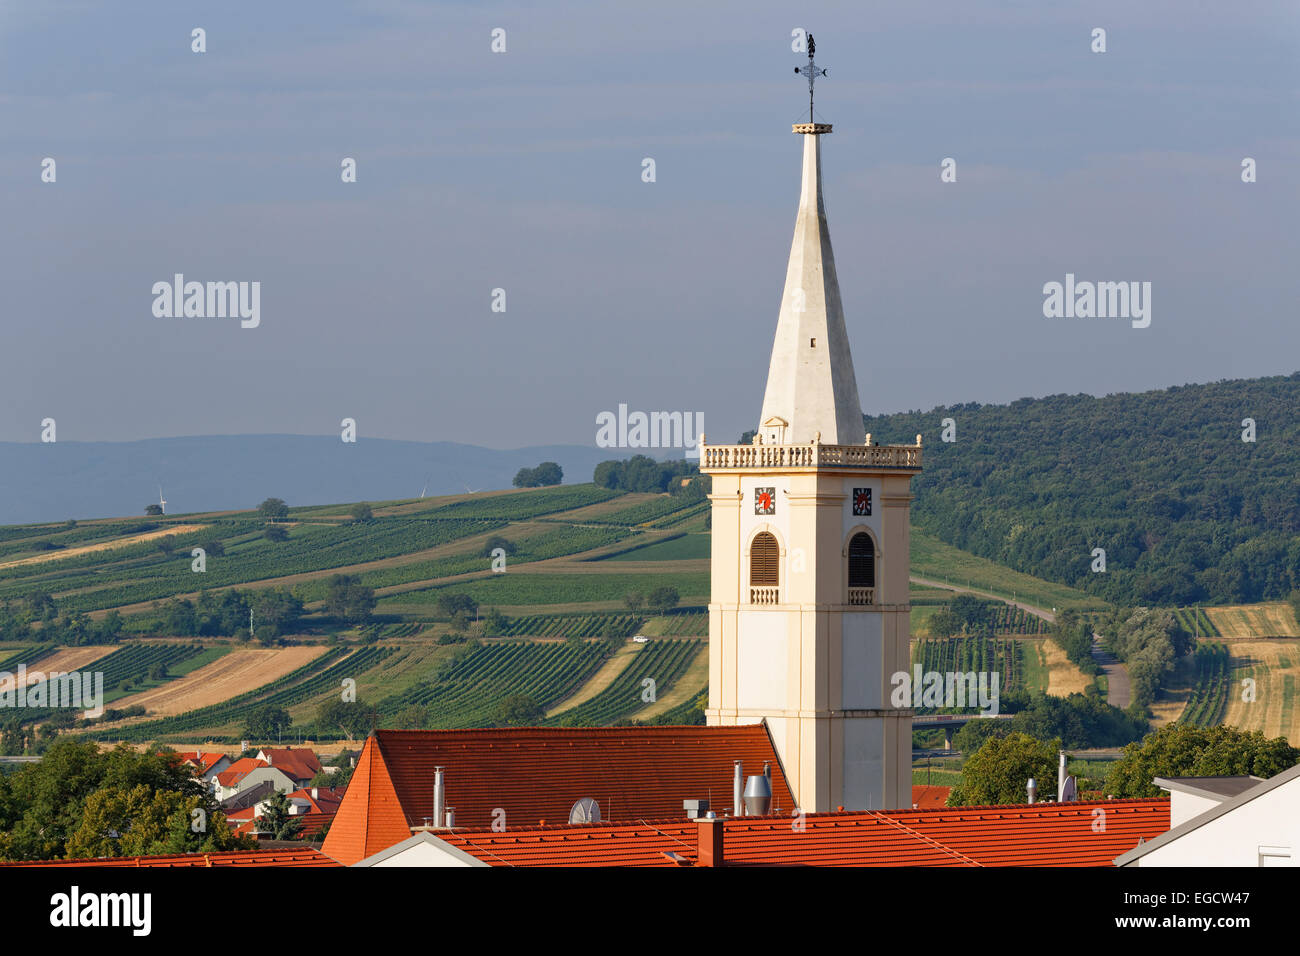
(812, 72)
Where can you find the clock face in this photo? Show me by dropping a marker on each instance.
(764, 501)
(862, 501)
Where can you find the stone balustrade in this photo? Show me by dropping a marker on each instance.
(811, 455)
(862, 595)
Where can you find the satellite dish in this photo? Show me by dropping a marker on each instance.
(585, 810)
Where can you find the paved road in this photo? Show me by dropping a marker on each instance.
(1042, 612)
(1118, 690)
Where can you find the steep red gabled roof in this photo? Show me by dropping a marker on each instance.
(370, 818)
(537, 774)
(203, 761)
(298, 763)
(307, 856)
(238, 770)
(1077, 834)
(326, 801)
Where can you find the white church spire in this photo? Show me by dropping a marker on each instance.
(812, 392)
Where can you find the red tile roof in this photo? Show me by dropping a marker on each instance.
(203, 761)
(298, 763)
(238, 770)
(928, 796)
(370, 818)
(1076, 834)
(326, 801)
(307, 856)
(537, 774)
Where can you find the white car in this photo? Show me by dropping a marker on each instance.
(640, 639)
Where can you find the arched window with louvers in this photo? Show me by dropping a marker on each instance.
(764, 569)
(862, 569)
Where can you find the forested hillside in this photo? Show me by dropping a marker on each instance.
(1185, 509)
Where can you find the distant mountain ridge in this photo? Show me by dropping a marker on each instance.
(65, 479)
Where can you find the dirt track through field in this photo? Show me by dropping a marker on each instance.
(229, 676)
(694, 680)
(600, 680)
(103, 545)
(63, 661)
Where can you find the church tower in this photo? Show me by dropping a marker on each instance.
(809, 612)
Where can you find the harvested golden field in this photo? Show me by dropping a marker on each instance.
(1275, 619)
(64, 660)
(238, 672)
(1063, 677)
(1275, 668)
(105, 545)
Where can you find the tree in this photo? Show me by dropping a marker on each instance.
(634, 600)
(274, 509)
(268, 722)
(214, 548)
(166, 544)
(139, 821)
(275, 612)
(360, 512)
(350, 717)
(412, 717)
(42, 804)
(457, 604)
(998, 772)
(274, 532)
(347, 598)
(276, 819)
(1183, 750)
(495, 623)
(943, 623)
(547, 473)
(519, 710)
(662, 600)
(153, 509)
(498, 541)
(1294, 601)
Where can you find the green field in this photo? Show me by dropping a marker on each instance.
(578, 551)
(936, 561)
(689, 547)
(516, 590)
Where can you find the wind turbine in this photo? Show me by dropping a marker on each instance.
(162, 502)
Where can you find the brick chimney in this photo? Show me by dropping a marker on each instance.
(710, 834)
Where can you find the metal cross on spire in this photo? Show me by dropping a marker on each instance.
(811, 71)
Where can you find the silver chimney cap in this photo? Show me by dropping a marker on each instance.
(758, 796)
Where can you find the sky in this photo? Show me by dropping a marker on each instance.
(522, 170)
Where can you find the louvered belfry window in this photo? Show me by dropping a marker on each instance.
(862, 562)
(763, 556)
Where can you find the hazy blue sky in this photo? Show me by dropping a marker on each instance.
(523, 171)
